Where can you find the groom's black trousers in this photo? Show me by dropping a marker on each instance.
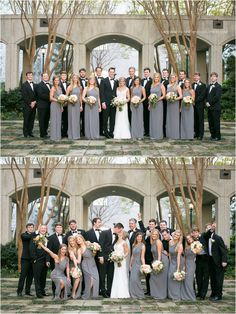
(202, 274)
(106, 271)
(109, 112)
(217, 278)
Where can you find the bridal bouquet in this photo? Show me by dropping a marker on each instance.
(135, 100)
(145, 269)
(116, 257)
(179, 275)
(91, 100)
(157, 266)
(187, 100)
(62, 100)
(196, 247)
(153, 99)
(94, 247)
(40, 239)
(76, 272)
(171, 97)
(118, 103)
(72, 99)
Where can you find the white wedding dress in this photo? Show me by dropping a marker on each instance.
(120, 283)
(122, 126)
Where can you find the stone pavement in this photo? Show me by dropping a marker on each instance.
(10, 303)
(14, 144)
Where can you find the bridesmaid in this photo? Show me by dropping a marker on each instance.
(55, 110)
(137, 259)
(61, 281)
(91, 114)
(158, 282)
(73, 254)
(187, 113)
(175, 252)
(187, 291)
(156, 113)
(74, 109)
(172, 118)
(89, 268)
(137, 129)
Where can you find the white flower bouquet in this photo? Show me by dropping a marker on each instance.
(94, 247)
(118, 103)
(72, 99)
(196, 247)
(153, 99)
(145, 269)
(40, 239)
(76, 272)
(135, 100)
(62, 100)
(171, 97)
(179, 275)
(91, 100)
(116, 257)
(188, 101)
(157, 266)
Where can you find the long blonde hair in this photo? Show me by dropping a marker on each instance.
(71, 81)
(89, 79)
(180, 241)
(71, 248)
(79, 236)
(156, 75)
(158, 236)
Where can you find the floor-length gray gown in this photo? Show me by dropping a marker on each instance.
(187, 291)
(55, 118)
(74, 116)
(174, 286)
(91, 116)
(172, 117)
(156, 115)
(137, 128)
(135, 286)
(57, 275)
(187, 119)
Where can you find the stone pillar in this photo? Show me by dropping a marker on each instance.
(81, 55)
(76, 210)
(147, 57)
(201, 65)
(223, 218)
(216, 62)
(6, 215)
(149, 208)
(76, 58)
(12, 66)
(206, 214)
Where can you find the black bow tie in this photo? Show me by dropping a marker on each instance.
(59, 235)
(82, 79)
(114, 233)
(111, 79)
(97, 229)
(212, 84)
(130, 231)
(99, 77)
(74, 231)
(31, 82)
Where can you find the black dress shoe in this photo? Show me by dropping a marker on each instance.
(31, 135)
(215, 298)
(202, 298)
(147, 293)
(45, 294)
(106, 134)
(19, 294)
(105, 295)
(29, 294)
(39, 296)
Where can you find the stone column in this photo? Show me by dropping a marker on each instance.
(149, 208)
(201, 65)
(147, 57)
(76, 210)
(223, 218)
(216, 62)
(12, 66)
(6, 214)
(81, 55)
(76, 58)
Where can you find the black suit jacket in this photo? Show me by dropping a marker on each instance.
(106, 243)
(62, 87)
(69, 233)
(28, 95)
(53, 245)
(81, 83)
(91, 236)
(218, 248)
(200, 94)
(98, 85)
(42, 95)
(26, 238)
(214, 96)
(127, 82)
(37, 254)
(165, 82)
(106, 92)
(147, 87)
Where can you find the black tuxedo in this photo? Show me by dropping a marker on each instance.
(69, 233)
(28, 95)
(200, 99)
(83, 83)
(43, 107)
(107, 94)
(129, 84)
(181, 83)
(100, 113)
(213, 95)
(26, 264)
(64, 116)
(39, 258)
(91, 236)
(146, 104)
(165, 82)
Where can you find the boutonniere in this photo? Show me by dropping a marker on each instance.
(199, 84)
(212, 240)
(213, 86)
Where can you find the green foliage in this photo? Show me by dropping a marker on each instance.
(230, 269)
(11, 101)
(9, 256)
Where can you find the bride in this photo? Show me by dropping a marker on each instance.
(120, 283)
(122, 126)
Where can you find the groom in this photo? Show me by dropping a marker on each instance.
(107, 240)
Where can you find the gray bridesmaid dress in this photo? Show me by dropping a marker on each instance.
(135, 286)
(187, 291)
(91, 277)
(156, 115)
(79, 289)
(172, 117)
(187, 119)
(91, 117)
(137, 129)
(174, 286)
(55, 118)
(57, 275)
(158, 282)
(74, 116)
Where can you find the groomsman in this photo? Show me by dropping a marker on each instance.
(200, 98)
(64, 118)
(73, 231)
(29, 104)
(133, 230)
(163, 226)
(108, 92)
(182, 78)
(165, 82)
(26, 262)
(99, 78)
(107, 240)
(129, 82)
(166, 237)
(43, 104)
(213, 95)
(39, 258)
(217, 262)
(54, 242)
(146, 82)
(83, 83)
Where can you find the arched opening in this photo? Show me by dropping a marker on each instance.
(55, 210)
(113, 204)
(114, 50)
(228, 50)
